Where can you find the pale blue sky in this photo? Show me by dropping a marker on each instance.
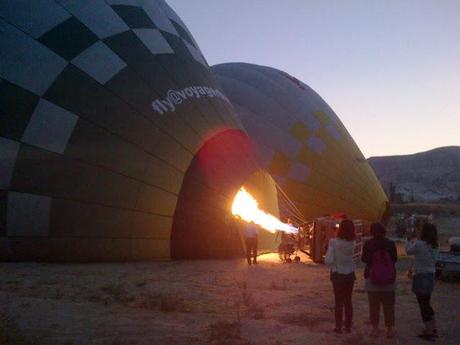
(389, 69)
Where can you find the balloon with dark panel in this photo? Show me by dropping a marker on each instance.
(118, 143)
(302, 143)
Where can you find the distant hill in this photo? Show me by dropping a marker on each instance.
(431, 176)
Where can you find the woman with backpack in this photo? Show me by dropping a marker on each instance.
(380, 256)
(339, 257)
(425, 251)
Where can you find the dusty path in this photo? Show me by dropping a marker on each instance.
(198, 302)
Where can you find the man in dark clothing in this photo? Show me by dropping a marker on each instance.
(378, 294)
(250, 234)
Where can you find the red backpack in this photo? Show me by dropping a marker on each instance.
(382, 271)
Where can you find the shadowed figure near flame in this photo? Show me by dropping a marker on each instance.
(251, 231)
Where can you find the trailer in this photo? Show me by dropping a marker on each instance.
(315, 235)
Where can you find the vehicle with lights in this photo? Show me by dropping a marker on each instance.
(449, 261)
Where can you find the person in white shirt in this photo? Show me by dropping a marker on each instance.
(250, 235)
(339, 257)
(412, 223)
(425, 251)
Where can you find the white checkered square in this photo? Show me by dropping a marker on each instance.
(97, 15)
(36, 16)
(26, 62)
(154, 41)
(100, 62)
(50, 127)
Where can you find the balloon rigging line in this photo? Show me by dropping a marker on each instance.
(291, 207)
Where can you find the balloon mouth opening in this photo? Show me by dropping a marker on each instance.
(203, 226)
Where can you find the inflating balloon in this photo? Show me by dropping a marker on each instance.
(302, 143)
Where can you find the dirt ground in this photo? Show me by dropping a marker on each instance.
(198, 302)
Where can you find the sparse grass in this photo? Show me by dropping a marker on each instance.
(249, 301)
(43, 282)
(119, 342)
(279, 286)
(172, 303)
(118, 293)
(141, 284)
(304, 319)
(224, 333)
(254, 310)
(24, 305)
(357, 339)
(10, 286)
(96, 298)
(59, 294)
(165, 303)
(149, 301)
(246, 296)
(11, 334)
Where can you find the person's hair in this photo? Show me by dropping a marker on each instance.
(378, 230)
(346, 230)
(430, 235)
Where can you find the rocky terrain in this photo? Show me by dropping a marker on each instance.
(431, 176)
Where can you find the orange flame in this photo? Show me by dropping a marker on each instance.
(247, 208)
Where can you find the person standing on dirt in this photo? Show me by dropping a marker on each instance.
(401, 226)
(425, 251)
(380, 255)
(251, 232)
(412, 224)
(339, 257)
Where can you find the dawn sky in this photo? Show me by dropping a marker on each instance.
(389, 69)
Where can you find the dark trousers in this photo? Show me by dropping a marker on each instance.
(386, 299)
(343, 289)
(251, 248)
(425, 307)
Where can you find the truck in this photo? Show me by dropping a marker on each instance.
(449, 261)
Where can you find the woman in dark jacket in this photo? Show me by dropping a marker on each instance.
(380, 290)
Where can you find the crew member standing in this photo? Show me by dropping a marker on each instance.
(425, 251)
(250, 234)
